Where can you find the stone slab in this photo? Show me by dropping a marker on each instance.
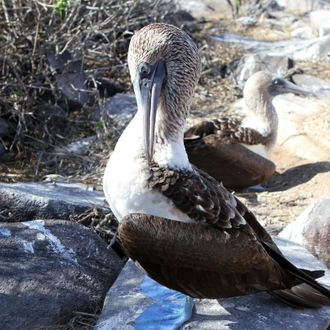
(124, 303)
(48, 200)
(297, 49)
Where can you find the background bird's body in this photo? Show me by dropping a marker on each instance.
(235, 151)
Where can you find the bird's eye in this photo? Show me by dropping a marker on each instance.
(144, 69)
(276, 81)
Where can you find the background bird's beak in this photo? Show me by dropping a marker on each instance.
(281, 86)
(147, 86)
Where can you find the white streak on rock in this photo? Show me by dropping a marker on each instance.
(28, 246)
(5, 232)
(54, 241)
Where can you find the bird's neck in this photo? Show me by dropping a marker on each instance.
(170, 151)
(263, 108)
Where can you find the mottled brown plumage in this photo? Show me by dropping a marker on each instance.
(212, 146)
(181, 226)
(198, 195)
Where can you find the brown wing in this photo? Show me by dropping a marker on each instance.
(200, 130)
(229, 130)
(207, 262)
(213, 147)
(231, 164)
(198, 260)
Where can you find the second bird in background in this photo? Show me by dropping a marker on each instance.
(235, 152)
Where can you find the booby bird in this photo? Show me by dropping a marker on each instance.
(235, 151)
(178, 224)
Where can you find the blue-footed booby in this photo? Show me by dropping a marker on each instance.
(235, 151)
(180, 226)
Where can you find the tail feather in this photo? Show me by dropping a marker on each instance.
(313, 273)
(307, 292)
(302, 296)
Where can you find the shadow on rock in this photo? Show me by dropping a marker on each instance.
(295, 176)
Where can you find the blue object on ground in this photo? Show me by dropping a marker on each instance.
(170, 310)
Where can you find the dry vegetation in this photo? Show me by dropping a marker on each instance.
(98, 32)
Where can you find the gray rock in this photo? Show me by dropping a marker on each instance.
(241, 69)
(302, 6)
(179, 16)
(82, 147)
(321, 20)
(316, 48)
(105, 86)
(280, 18)
(297, 24)
(47, 200)
(73, 88)
(57, 61)
(2, 149)
(70, 78)
(4, 127)
(306, 32)
(324, 30)
(119, 109)
(205, 8)
(51, 269)
(317, 85)
(246, 21)
(124, 304)
(312, 230)
(46, 111)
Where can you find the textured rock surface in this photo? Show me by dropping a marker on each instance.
(241, 69)
(316, 48)
(119, 109)
(255, 312)
(317, 85)
(82, 147)
(49, 269)
(312, 230)
(47, 200)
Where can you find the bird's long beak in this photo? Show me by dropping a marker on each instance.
(147, 86)
(281, 86)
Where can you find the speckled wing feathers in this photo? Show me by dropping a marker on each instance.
(198, 195)
(229, 130)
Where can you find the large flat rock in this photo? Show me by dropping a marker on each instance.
(48, 200)
(124, 303)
